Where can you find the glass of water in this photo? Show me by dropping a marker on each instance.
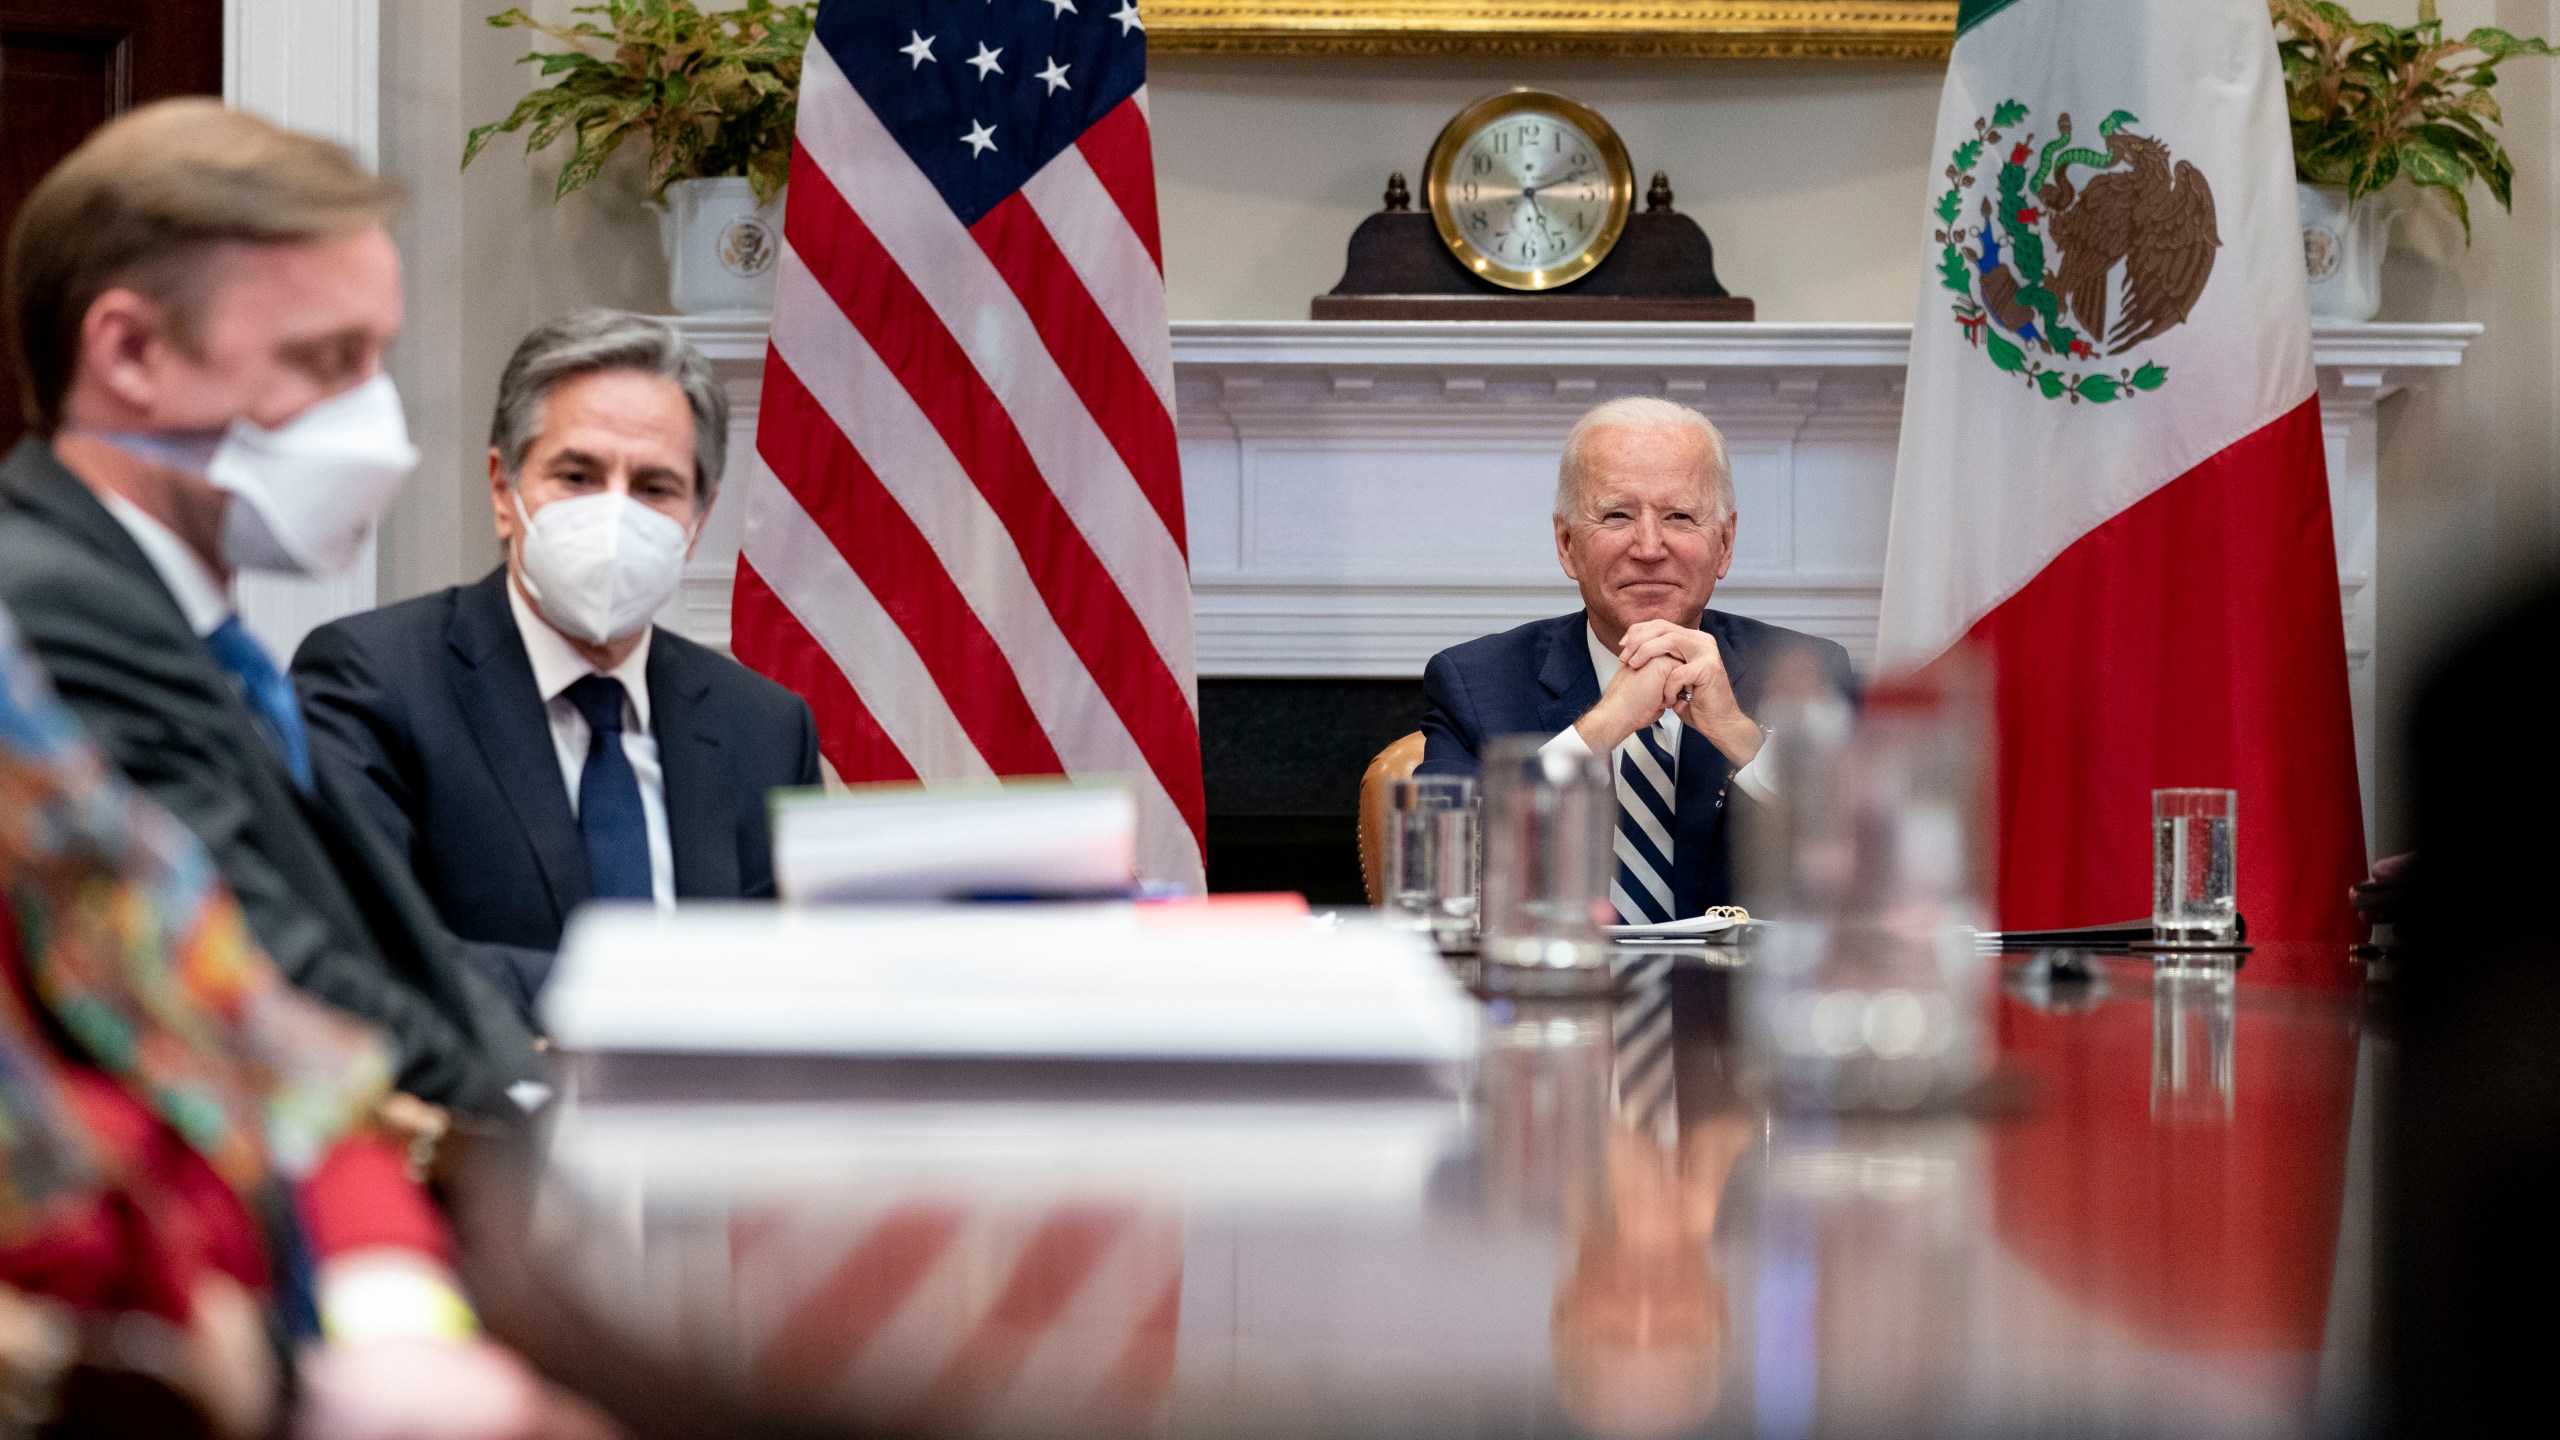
(1431, 856)
(1549, 820)
(2194, 897)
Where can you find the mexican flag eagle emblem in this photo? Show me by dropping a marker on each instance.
(2076, 250)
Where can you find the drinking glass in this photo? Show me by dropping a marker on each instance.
(2194, 900)
(1431, 856)
(1549, 818)
(1867, 991)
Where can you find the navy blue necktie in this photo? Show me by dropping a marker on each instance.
(610, 820)
(269, 693)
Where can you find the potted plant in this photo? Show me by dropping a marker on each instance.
(715, 95)
(2371, 103)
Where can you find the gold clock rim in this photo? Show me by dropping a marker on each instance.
(1444, 157)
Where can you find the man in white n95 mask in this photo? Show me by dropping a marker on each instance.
(532, 741)
(199, 303)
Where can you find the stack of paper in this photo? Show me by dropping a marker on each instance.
(906, 843)
(1117, 982)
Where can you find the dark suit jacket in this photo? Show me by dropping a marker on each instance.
(432, 701)
(1537, 680)
(329, 901)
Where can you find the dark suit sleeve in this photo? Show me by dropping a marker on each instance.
(360, 727)
(806, 773)
(1837, 669)
(358, 723)
(1452, 737)
(112, 668)
(755, 833)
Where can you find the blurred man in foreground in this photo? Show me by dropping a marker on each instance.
(197, 1194)
(199, 303)
(1644, 673)
(532, 741)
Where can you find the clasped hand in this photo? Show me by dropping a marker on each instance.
(1662, 666)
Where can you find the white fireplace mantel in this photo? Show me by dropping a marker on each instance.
(1363, 494)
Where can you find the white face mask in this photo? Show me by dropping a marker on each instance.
(307, 494)
(599, 566)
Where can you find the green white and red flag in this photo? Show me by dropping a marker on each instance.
(2111, 477)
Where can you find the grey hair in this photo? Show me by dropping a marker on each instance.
(1640, 412)
(587, 342)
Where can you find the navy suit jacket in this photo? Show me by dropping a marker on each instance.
(432, 703)
(1538, 680)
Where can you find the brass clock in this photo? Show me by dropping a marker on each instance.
(1529, 189)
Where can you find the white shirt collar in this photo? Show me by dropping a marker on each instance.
(557, 665)
(201, 595)
(1604, 663)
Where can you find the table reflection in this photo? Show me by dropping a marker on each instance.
(1596, 1231)
(2194, 1012)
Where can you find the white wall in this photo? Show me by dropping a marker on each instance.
(489, 253)
(2468, 490)
(1806, 176)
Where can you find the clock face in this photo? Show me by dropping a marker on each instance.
(1529, 189)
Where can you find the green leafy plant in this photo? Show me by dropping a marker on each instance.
(714, 93)
(2373, 102)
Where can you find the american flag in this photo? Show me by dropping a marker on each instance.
(963, 537)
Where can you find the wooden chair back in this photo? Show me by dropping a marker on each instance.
(1394, 763)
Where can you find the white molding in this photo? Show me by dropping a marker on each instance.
(316, 66)
(313, 65)
(1364, 494)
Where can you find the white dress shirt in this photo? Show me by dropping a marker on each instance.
(557, 665)
(1753, 778)
(201, 595)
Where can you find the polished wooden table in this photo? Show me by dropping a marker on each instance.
(2154, 1221)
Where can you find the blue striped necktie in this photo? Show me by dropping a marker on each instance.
(1647, 793)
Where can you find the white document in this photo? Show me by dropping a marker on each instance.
(907, 843)
(1696, 927)
(1377, 1154)
(1003, 981)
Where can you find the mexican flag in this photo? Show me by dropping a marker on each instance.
(2111, 477)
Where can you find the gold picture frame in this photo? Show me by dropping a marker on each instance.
(1727, 29)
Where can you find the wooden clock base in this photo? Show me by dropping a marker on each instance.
(1528, 306)
(1662, 268)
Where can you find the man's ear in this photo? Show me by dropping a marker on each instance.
(502, 500)
(120, 338)
(1732, 523)
(1564, 551)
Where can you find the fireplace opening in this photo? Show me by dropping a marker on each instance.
(1281, 760)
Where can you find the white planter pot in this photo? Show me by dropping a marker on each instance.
(2342, 249)
(721, 246)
